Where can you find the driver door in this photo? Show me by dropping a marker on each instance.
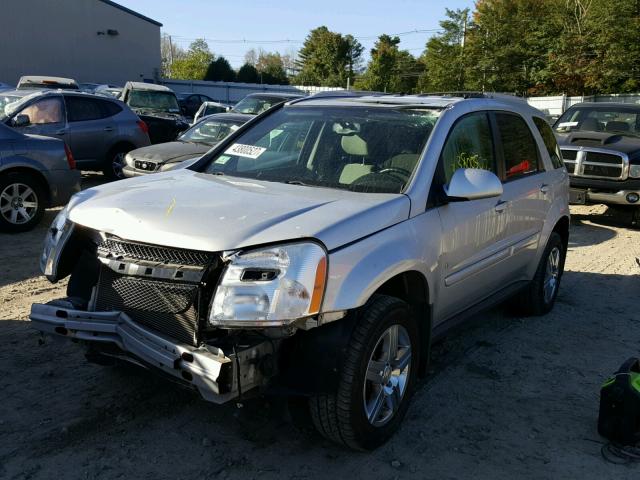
(473, 231)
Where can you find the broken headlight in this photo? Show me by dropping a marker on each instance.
(270, 286)
(57, 235)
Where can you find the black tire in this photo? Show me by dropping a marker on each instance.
(114, 162)
(532, 301)
(30, 191)
(341, 416)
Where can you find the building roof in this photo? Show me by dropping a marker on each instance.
(131, 12)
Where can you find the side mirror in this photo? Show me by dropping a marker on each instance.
(473, 184)
(21, 120)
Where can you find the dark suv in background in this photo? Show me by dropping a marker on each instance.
(601, 149)
(99, 130)
(158, 106)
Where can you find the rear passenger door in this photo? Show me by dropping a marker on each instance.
(527, 190)
(90, 128)
(473, 241)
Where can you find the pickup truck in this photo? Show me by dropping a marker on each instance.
(600, 145)
(318, 251)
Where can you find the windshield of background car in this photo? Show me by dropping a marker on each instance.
(600, 119)
(256, 105)
(363, 149)
(154, 100)
(210, 131)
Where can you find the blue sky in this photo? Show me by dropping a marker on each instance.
(223, 23)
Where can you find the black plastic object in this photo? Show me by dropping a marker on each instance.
(619, 418)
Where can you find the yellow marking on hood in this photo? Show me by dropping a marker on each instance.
(171, 207)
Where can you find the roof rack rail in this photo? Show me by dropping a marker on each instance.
(471, 94)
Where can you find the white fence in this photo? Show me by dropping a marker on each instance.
(558, 104)
(232, 92)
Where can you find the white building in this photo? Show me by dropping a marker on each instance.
(89, 40)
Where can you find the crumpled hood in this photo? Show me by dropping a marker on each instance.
(199, 211)
(170, 152)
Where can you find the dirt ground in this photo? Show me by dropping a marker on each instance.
(507, 397)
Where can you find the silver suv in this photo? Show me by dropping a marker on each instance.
(318, 250)
(99, 130)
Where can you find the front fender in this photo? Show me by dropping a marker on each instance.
(357, 270)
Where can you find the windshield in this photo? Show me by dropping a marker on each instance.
(615, 119)
(154, 100)
(256, 105)
(356, 148)
(210, 131)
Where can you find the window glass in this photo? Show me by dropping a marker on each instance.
(81, 109)
(110, 108)
(518, 146)
(469, 145)
(47, 110)
(363, 149)
(210, 131)
(549, 141)
(596, 118)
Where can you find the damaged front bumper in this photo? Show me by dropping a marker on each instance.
(212, 372)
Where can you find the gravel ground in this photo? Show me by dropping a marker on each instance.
(506, 398)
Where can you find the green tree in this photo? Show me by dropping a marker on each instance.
(248, 74)
(390, 69)
(271, 69)
(328, 58)
(194, 64)
(443, 58)
(220, 71)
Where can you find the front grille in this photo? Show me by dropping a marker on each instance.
(146, 166)
(593, 163)
(116, 248)
(170, 308)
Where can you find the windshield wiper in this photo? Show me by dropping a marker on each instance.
(299, 182)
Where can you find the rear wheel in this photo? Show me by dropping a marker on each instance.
(115, 162)
(377, 381)
(540, 296)
(22, 202)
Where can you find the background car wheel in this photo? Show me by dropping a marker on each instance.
(115, 162)
(22, 202)
(540, 296)
(377, 379)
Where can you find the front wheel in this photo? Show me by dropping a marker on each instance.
(540, 296)
(377, 380)
(113, 168)
(22, 202)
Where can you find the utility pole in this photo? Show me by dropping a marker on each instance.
(170, 56)
(462, 42)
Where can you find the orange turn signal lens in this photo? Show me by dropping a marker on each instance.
(318, 286)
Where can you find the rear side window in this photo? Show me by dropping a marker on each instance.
(81, 109)
(518, 146)
(45, 111)
(469, 145)
(549, 141)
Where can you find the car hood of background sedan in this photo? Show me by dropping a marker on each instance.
(198, 211)
(170, 152)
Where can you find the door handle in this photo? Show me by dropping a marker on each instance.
(501, 206)
(544, 188)
(108, 129)
(61, 132)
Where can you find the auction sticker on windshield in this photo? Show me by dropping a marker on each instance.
(247, 151)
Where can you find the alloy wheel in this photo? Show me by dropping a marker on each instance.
(117, 164)
(18, 203)
(387, 375)
(551, 275)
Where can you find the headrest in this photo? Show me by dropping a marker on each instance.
(354, 145)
